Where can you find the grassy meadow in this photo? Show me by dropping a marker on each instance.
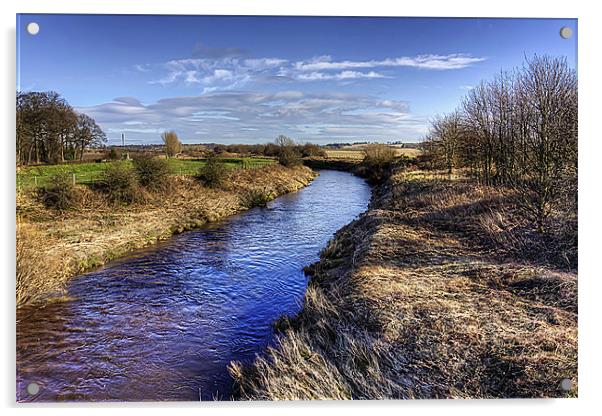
(90, 172)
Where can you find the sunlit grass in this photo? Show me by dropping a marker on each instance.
(358, 154)
(35, 176)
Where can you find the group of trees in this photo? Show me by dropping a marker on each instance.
(518, 130)
(49, 130)
(269, 149)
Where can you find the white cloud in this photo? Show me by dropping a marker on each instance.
(142, 68)
(259, 117)
(439, 62)
(227, 73)
(263, 63)
(191, 77)
(317, 76)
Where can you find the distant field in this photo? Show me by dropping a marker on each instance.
(408, 152)
(345, 154)
(90, 172)
(358, 154)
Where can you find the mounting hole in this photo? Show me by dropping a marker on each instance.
(33, 388)
(566, 32)
(33, 28)
(566, 384)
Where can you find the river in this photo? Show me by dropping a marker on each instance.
(164, 322)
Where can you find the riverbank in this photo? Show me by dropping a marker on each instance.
(439, 290)
(52, 246)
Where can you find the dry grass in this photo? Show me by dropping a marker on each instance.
(54, 246)
(36, 271)
(345, 154)
(358, 153)
(422, 298)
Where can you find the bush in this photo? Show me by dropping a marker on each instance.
(289, 157)
(312, 150)
(152, 173)
(113, 155)
(119, 183)
(379, 154)
(213, 173)
(60, 193)
(256, 197)
(377, 161)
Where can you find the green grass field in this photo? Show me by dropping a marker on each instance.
(35, 176)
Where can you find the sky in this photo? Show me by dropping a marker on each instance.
(248, 79)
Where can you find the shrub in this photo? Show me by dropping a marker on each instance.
(312, 150)
(119, 183)
(256, 197)
(113, 155)
(213, 173)
(152, 173)
(289, 157)
(60, 193)
(270, 150)
(377, 161)
(379, 154)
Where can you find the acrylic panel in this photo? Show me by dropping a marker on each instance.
(295, 208)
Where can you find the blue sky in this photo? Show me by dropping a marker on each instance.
(236, 79)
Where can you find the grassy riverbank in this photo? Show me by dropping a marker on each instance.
(438, 291)
(87, 173)
(53, 246)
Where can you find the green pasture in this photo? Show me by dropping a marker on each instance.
(36, 176)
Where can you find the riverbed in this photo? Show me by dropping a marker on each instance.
(165, 322)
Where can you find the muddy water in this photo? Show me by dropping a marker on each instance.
(164, 323)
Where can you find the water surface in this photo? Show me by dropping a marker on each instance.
(164, 323)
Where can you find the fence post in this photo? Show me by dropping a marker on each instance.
(73, 178)
(35, 181)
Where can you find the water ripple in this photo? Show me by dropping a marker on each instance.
(164, 323)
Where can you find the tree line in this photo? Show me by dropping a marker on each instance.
(517, 130)
(49, 130)
(272, 149)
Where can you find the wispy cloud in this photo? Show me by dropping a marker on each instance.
(436, 62)
(319, 76)
(142, 68)
(231, 71)
(226, 105)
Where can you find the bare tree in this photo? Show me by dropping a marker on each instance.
(283, 141)
(445, 135)
(518, 130)
(173, 146)
(549, 89)
(88, 134)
